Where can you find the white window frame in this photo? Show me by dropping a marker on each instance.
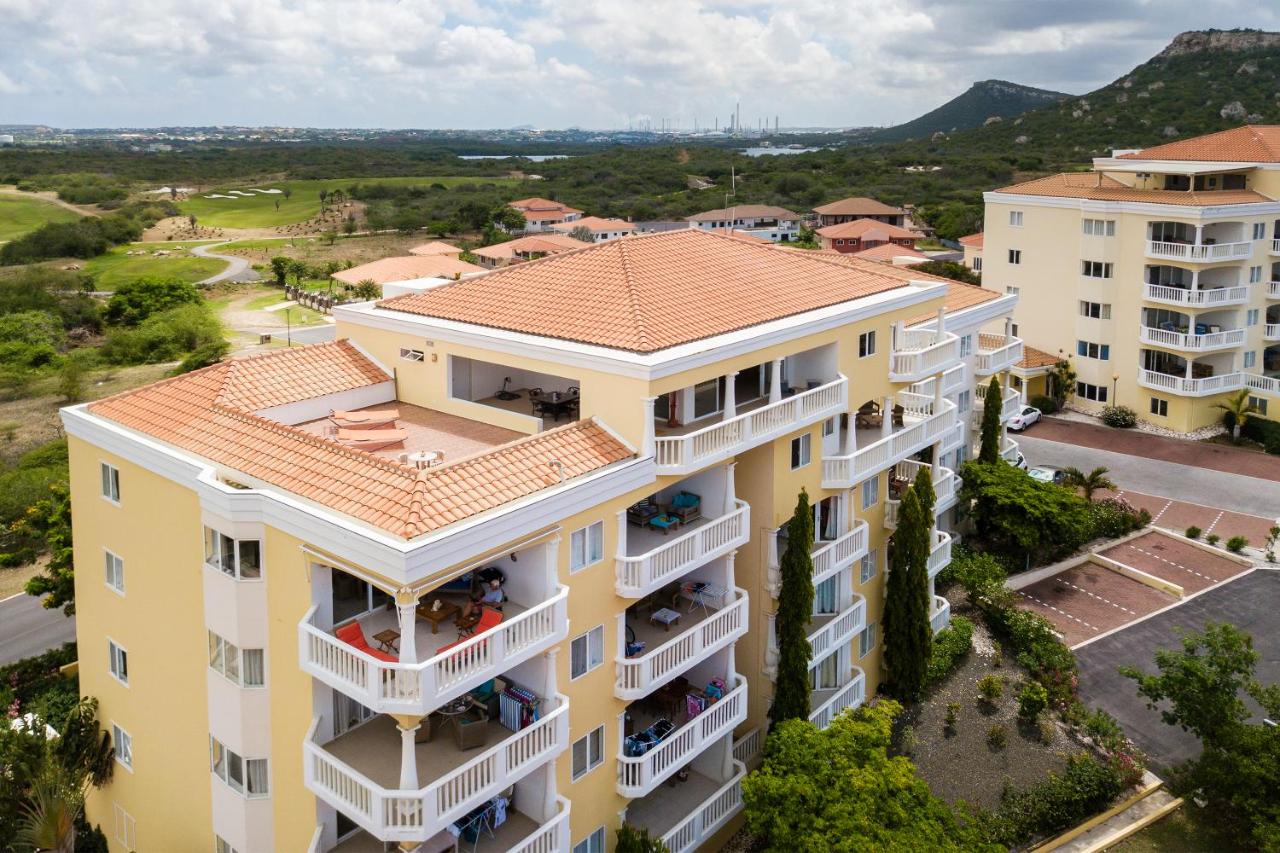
(590, 645)
(1259, 230)
(221, 845)
(977, 264)
(1159, 408)
(593, 843)
(126, 828)
(222, 651)
(118, 661)
(213, 556)
(1251, 317)
(805, 445)
(867, 640)
(110, 487)
(871, 490)
(1259, 403)
(586, 546)
(1255, 274)
(870, 559)
(1015, 257)
(122, 743)
(1250, 358)
(867, 344)
(598, 734)
(113, 566)
(1015, 219)
(410, 354)
(232, 758)
(1103, 309)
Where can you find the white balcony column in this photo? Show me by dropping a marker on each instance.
(408, 758)
(897, 334)
(549, 807)
(728, 571)
(622, 533)
(726, 768)
(937, 395)
(407, 611)
(1187, 370)
(850, 435)
(730, 398)
(942, 325)
(549, 682)
(650, 439)
(1195, 280)
(775, 382)
(1008, 329)
(886, 419)
(730, 494)
(553, 565)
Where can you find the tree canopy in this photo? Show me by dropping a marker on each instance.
(795, 609)
(1018, 514)
(135, 301)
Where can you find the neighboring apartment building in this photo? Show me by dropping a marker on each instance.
(860, 234)
(1168, 262)
(262, 545)
(971, 245)
(601, 229)
(541, 214)
(526, 248)
(849, 209)
(775, 224)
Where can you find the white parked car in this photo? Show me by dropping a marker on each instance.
(1020, 462)
(1024, 418)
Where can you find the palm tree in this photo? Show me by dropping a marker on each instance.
(1238, 408)
(1089, 483)
(49, 817)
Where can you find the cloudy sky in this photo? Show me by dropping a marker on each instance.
(556, 63)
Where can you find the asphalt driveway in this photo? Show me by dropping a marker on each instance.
(1249, 603)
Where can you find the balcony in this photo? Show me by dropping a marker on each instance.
(639, 775)
(828, 631)
(1195, 298)
(953, 381)
(1273, 290)
(1010, 401)
(904, 474)
(519, 833)
(996, 353)
(1275, 247)
(831, 702)
(666, 813)
(939, 553)
(391, 687)
(925, 421)
(358, 772)
(679, 452)
(828, 557)
(1265, 384)
(1271, 332)
(706, 629)
(1203, 252)
(1196, 343)
(1188, 387)
(941, 615)
(1008, 450)
(653, 560)
(918, 353)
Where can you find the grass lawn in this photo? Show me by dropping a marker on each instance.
(115, 267)
(259, 210)
(20, 215)
(1188, 830)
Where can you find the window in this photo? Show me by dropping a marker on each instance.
(126, 828)
(977, 264)
(1159, 407)
(870, 562)
(1015, 218)
(870, 492)
(245, 667)
(1015, 256)
(412, 354)
(1011, 290)
(1088, 349)
(586, 546)
(115, 572)
(588, 753)
(1096, 310)
(1251, 317)
(110, 482)
(867, 640)
(1259, 403)
(964, 400)
(118, 662)
(1255, 275)
(1250, 358)
(1013, 329)
(829, 427)
(866, 344)
(1095, 269)
(244, 776)
(222, 846)
(241, 559)
(1100, 227)
(800, 451)
(706, 398)
(593, 843)
(1259, 230)
(123, 744)
(966, 346)
(586, 652)
(1097, 393)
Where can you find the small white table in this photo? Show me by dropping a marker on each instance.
(423, 458)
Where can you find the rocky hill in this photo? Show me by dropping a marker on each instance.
(987, 101)
(1202, 82)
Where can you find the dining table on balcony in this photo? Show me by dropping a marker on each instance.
(555, 403)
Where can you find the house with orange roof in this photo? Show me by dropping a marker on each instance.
(858, 234)
(601, 229)
(1167, 262)
(541, 214)
(527, 248)
(892, 253)
(409, 268)
(971, 245)
(436, 247)
(859, 207)
(501, 563)
(766, 221)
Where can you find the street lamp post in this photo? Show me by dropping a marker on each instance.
(1115, 377)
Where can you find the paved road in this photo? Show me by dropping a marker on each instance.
(1248, 603)
(1156, 477)
(28, 629)
(237, 270)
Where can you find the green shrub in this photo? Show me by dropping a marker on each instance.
(1047, 405)
(1046, 731)
(1086, 787)
(953, 713)
(1112, 517)
(1121, 417)
(135, 301)
(1192, 532)
(1032, 699)
(950, 645)
(1236, 544)
(909, 740)
(997, 736)
(162, 337)
(1213, 539)
(991, 688)
(210, 353)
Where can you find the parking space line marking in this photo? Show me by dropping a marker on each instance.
(1100, 598)
(1215, 521)
(1057, 610)
(1162, 512)
(1170, 562)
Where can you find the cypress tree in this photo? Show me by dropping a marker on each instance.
(907, 648)
(918, 579)
(795, 608)
(990, 450)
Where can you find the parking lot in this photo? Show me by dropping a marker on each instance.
(1179, 515)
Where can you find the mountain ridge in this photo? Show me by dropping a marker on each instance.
(984, 101)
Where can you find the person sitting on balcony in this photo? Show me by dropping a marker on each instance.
(470, 613)
(493, 595)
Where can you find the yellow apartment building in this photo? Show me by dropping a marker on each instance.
(1157, 274)
(497, 567)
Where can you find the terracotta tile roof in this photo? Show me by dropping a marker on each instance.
(298, 373)
(972, 240)
(750, 238)
(1248, 144)
(548, 215)
(436, 247)
(595, 224)
(199, 412)
(537, 203)
(407, 268)
(959, 297)
(858, 206)
(886, 252)
(548, 243)
(647, 293)
(744, 211)
(867, 229)
(1033, 358)
(1100, 187)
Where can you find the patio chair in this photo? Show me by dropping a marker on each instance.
(685, 506)
(534, 402)
(372, 439)
(641, 511)
(353, 635)
(489, 619)
(368, 419)
(470, 728)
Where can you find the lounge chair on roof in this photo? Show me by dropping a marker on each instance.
(372, 439)
(367, 419)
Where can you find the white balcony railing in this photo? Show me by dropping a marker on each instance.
(929, 426)
(1272, 332)
(1275, 247)
(1186, 387)
(1273, 290)
(682, 454)
(851, 695)
(639, 676)
(1199, 252)
(391, 687)
(953, 438)
(828, 557)
(1010, 401)
(1179, 340)
(708, 816)
(1265, 384)
(399, 815)
(917, 353)
(1008, 450)
(639, 575)
(1195, 298)
(995, 359)
(944, 489)
(940, 553)
(941, 615)
(749, 749)
(840, 630)
(638, 775)
(551, 837)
